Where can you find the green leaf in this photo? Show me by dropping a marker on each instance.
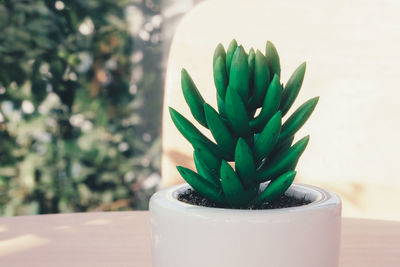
(244, 163)
(208, 172)
(235, 193)
(219, 52)
(270, 105)
(280, 148)
(193, 98)
(212, 160)
(267, 138)
(221, 106)
(292, 89)
(273, 59)
(239, 73)
(261, 80)
(236, 113)
(220, 77)
(276, 188)
(190, 132)
(220, 132)
(201, 185)
(229, 54)
(251, 61)
(280, 165)
(298, 119)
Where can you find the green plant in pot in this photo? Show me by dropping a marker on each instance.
(248, 128)
(230, 211)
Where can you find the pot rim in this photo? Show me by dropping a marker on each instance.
(320, 198)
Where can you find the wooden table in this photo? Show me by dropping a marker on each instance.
(123, 239)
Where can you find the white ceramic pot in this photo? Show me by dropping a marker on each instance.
(185, 235)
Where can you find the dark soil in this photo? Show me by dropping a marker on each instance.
(192, 197)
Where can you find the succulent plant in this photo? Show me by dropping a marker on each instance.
(247, 130)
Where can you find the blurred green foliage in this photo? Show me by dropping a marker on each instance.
(74, 77)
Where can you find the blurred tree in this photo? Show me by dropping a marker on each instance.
(73, 79)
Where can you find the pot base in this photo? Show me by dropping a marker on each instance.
(304, 236)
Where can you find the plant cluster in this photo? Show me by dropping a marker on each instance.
(248, 129)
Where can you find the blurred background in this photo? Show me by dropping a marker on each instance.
(81, 89)
(83, 86)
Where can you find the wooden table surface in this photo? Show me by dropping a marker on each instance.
(123, 239)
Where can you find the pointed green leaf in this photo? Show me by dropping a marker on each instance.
(191, 133)
(267, 138)
(219, 52)
(252, 61)
(235, 193)
(270, 106)
(206, 171)
(280, 148)
(201, 185)
(261, 80)
(212, 159)
(193, 98)
(298, 119)
(292, 88)
(280, 165)
(273, 59)
(276, 188)
(236, 113)
(239, 73)
(221, 106)
(244, 164)
(229, 54)
(220, 77)
(220, 131)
